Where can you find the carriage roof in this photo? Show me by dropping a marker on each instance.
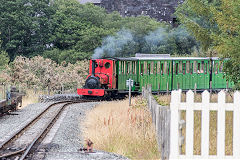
(163, 58)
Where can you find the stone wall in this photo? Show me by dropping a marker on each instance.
(162, 10)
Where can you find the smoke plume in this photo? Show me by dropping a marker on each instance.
(113, 45)
(161, 41)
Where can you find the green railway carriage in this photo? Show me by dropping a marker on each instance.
(171, 73)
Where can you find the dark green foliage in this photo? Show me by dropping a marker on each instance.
(65, 30)
(25, 26)
(4, 59)
(69, 56)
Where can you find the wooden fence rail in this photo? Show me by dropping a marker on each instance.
(168, 125)
(161, 120)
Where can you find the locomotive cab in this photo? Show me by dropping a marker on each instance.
(101, 78)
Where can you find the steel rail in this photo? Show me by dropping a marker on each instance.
(45, 130)
(28, 124)
(21, 130)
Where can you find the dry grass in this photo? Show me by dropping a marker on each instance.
(30, 97)
(116, 127)
(165, 99)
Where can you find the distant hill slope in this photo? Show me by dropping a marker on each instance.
(162, 10)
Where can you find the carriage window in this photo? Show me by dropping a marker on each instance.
(184, 68)
(158, 68)
(206, 68)
(176, 68)
(216, 68)
(119, 67)
(165, 67)
(187, 67)
(155, 69)
(107, 65)
(173, 67)
(198, 68)
(161, 68)
(125, 67)
(134, 67)
(145, 67)
(191, 68)
(195, 67)
(149, 67)
(152, 67)
(209, 67)
(180, 67)
(169, 68)
(130, 67)
(202, 67)
(221, 67)
(141, 69)
(114, 68)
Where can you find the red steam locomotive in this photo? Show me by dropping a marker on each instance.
(101, 79)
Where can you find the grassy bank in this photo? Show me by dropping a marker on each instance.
(116, 127)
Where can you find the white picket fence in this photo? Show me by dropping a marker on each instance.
(205, 107)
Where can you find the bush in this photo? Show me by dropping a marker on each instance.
(41, 73)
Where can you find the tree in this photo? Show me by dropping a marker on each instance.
(227, 40)
(78, 28)
(25, 26)
(68, 56)
(217, 25)
(4, 58)
(196, 16)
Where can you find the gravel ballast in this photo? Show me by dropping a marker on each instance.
(64, 140)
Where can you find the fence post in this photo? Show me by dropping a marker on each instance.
(149, 97)
(168, 122)
(221, 125)
(236, 124)
(205, 125)
(174, 132)
(189, 124)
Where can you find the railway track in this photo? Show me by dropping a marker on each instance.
(22, 143)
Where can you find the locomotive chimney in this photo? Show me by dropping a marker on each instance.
(93, 67)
